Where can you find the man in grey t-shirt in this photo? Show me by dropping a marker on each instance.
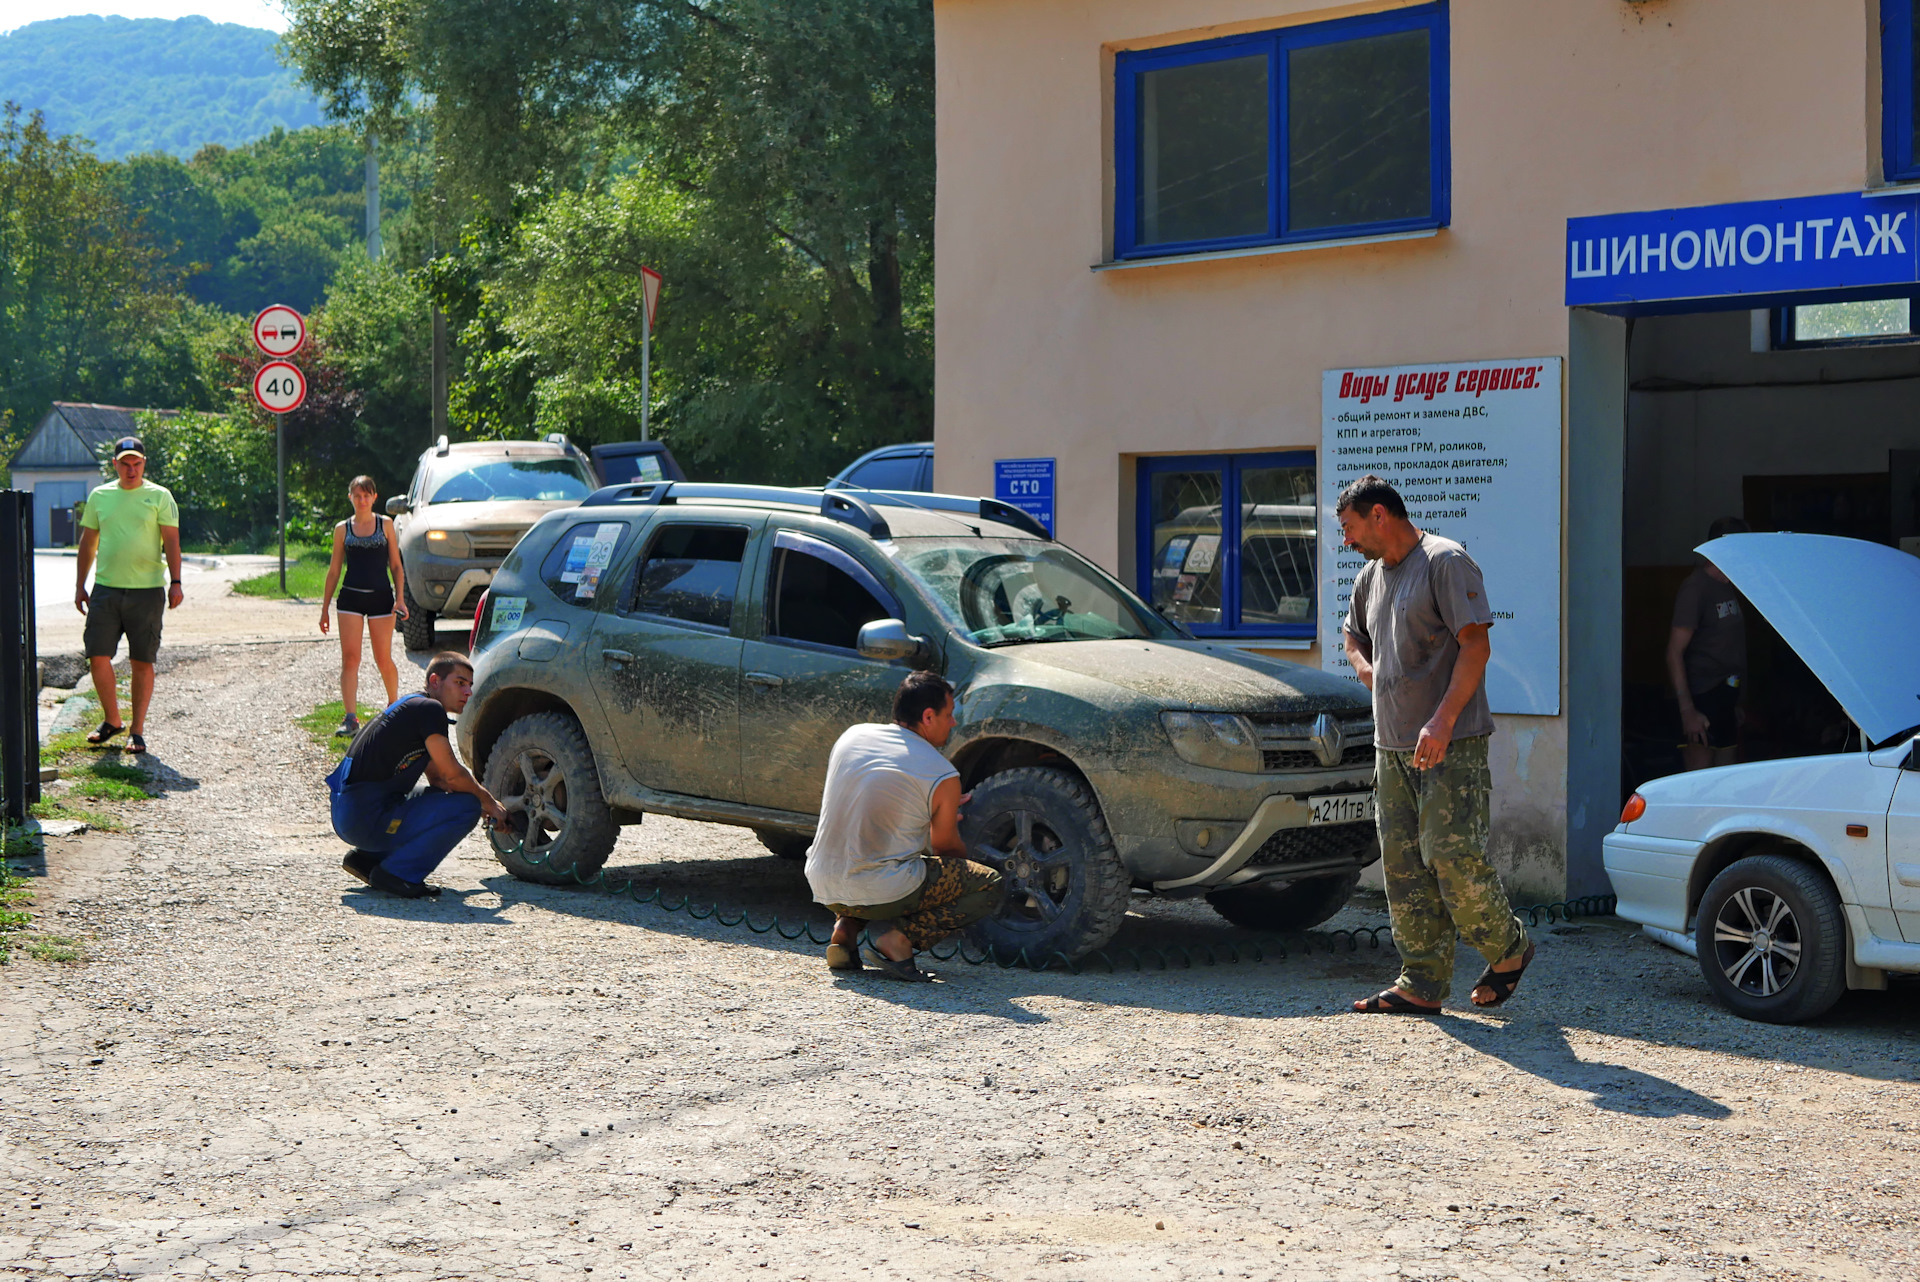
(1416, 634)
(887, 855)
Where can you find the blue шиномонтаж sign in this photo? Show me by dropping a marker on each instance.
(1843, 242)
(1026, 483)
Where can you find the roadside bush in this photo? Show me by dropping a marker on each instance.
(220, 470)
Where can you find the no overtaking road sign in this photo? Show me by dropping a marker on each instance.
(279, 330)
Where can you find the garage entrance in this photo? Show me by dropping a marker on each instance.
(1802, 418)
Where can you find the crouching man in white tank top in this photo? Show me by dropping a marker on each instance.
(888, 854)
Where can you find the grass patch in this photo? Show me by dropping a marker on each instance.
(52, 948)
(104, 779)
(306, 576)
(14, 895)
(325, 719)
(51, 808)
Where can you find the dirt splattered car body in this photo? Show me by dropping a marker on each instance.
(696, 650)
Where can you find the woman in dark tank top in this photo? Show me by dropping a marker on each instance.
(374, 590)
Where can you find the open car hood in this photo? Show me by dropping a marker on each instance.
(1850, 609)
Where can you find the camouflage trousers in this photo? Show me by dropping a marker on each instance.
(1433, 850)
(956, 894)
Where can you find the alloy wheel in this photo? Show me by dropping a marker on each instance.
(1757, 941)
(1036, 863)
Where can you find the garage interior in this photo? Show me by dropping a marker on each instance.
(1803, 419)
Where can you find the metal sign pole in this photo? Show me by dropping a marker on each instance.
(646, 346)
(280, 443)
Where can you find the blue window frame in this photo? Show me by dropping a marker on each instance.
(1316, 132)
(1228, 544)
(1899, 128)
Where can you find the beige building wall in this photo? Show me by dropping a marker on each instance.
(1559, 108)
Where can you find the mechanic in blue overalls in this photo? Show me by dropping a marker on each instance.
(398, 838)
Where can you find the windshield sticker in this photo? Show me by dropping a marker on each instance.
(1200, 556)
(507, 612)
(1176, 552)
(1183, 588)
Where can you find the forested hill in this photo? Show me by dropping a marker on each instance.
(150, 84)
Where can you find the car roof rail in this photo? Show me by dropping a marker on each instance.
(835, 506)
(958, 505)
(849, 507)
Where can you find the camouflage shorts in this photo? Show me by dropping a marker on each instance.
(956, 893)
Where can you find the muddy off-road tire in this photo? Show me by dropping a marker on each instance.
(787, 845)
(542, 767)
(1294, 905)
(1772, 941)
(1066, 889)
(417, 628)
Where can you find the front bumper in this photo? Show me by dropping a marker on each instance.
(1314, 849)
(450, 586)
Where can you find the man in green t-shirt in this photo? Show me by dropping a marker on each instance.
(131, 524)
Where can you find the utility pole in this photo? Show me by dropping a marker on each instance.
(373, 199)
(439, 374)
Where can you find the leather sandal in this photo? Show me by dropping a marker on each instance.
(1389, 1002)
(106, 731)
(1503, 982)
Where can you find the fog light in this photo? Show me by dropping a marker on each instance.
(437, 589)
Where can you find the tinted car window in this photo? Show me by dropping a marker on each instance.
(691, 572)
(817, 602)
(900, 472)
(545, 479)
(579, 557)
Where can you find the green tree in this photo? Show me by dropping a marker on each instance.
(377, 329)
(793, 141)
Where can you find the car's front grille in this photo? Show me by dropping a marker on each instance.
(492, 544)
(1293, 759)
(1312, 844)
(1290, 745)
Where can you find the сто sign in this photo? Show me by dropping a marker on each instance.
(279, 387)
(279, 330)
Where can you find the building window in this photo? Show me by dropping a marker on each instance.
(1899, 105)
(1316, 132)
(1239, 566)
(1870, 321)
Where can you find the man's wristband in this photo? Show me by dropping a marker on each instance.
(175, 583)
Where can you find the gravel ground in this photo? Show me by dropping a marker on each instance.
(263, 1069)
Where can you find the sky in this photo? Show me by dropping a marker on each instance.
(250, 13)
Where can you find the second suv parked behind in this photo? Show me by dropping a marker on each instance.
(697, 649)
(467, 506)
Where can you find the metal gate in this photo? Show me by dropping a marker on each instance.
(19, 670)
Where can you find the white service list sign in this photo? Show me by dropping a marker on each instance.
(1474, 450)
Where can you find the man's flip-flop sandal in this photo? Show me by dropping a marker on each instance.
(106, 731)
(136, 743)
(1389, 1002)
(1503, 982)
(842, 957)
(903, 970)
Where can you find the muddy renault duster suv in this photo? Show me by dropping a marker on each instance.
(696, 650)
(467, 505)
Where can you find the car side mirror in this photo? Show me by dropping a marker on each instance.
(398, 505)
(889, 640)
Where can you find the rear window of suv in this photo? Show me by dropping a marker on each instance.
(691, 573)
(546, 480)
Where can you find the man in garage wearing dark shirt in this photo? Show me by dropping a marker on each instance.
(1707, 660)
(399, 838)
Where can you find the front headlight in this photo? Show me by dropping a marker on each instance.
(1218, 739)
(446, 543)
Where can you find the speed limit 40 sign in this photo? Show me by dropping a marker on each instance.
(279, 387)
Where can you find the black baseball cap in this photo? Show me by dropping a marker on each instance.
(128, 445)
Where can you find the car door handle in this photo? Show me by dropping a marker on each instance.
(765, 679)
(617, 656)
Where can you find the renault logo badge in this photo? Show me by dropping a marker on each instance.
(1328, 739)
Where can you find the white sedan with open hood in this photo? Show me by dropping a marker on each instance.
(1798, 879)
